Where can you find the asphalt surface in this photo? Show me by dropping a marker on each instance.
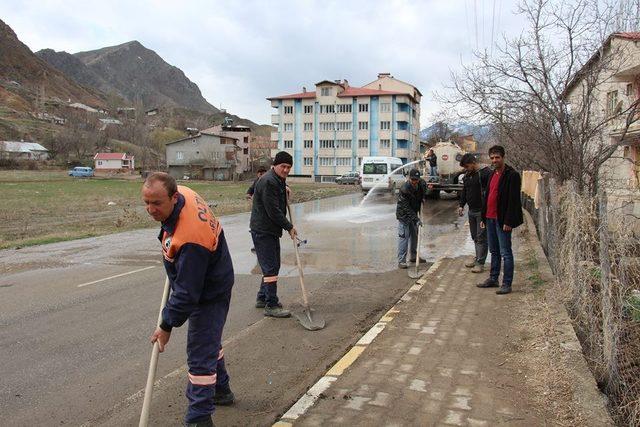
(75, 317)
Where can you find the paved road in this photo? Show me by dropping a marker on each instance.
(75, 316)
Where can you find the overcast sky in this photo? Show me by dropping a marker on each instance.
(240, 52)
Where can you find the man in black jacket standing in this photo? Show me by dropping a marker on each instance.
(268, 219)
(475, 184)
(410, 198)
(501, 213)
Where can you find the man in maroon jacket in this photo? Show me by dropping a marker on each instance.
(501, 213)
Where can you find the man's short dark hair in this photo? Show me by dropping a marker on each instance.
(468, 159)
(261, 169)
(497, 149)
(168, 182)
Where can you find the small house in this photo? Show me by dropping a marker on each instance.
(113, 162)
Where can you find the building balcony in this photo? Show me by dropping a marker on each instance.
(403, 116)
(620, 130)
(403, 134)
(275, 119)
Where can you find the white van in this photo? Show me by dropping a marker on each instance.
(374, 169)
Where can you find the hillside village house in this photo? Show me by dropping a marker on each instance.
(329, 130)
(242, 135)
(113, 162)
(205, 155)
(619, 90)
(19, 150)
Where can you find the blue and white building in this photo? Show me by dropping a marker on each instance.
(329, 130)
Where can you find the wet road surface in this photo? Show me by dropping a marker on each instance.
(75, 316)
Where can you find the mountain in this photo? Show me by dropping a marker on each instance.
(23, 76)
(132, 72)
(480, 132)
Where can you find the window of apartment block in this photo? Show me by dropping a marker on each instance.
(326, 161)
(325, 126)
(363, 108)
(343, 126)
(343, 143)
(288, 143)
(343, 161)
(385, 107)
(179, 155)
(344, 108)
(308, 109)
(326, 109)
(325, 91)
(308, 161)
(385, 125)
(288, 127)
(326, 143)
(363, 125)
(288, 109)
(612, 101)
(385, 143)
(308, 143)
(308, 126)
(363, 143)
(629, 89)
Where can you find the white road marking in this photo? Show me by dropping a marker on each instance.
(116, 276)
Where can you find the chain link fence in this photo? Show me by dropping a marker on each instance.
(595, 253)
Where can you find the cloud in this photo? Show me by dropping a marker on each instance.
(241, 52)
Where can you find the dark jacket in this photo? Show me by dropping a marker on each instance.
(252, 189)
(269, 209)
(196, 258)
(433, 159)
(409, 202)
(509, 204)
(475, 184)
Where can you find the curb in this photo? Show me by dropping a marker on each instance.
(313, 394)
(587, 398)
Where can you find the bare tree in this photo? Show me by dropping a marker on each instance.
(541, 90)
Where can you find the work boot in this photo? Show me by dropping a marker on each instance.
(402, 265)
(478, 268)
(470, 264)
(224, 396)
(504, 290)
(422, 260)
(260, 303)
(276, 311)
(489, 283)
(205, 423)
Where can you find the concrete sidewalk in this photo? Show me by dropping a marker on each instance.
(450, 353)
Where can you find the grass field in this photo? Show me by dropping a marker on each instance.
(48, 206)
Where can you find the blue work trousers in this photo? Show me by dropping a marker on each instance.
(268, 254)
(500, 248)
(205, 357)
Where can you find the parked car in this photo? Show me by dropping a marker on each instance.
(81, 171)
(349, 178)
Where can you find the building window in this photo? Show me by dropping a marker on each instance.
(99, 162)
(363, 125)
(629, 89)
(308, 127)
(343, 143)
(308, 109)
(363, 108)
(179, 155)
(359, 161)
(612, 102)
(288, 109)
(308, 143)
(326, 161)
(363, 143)
(343, 161)
(326, 109)
(326, 143)
(385, 143)
(308, 161)
(326, 126)
(343, 126)
(344, 108)
(325, 91)
(288, 127)
(288, 143)
(385, 125)
(385, 107)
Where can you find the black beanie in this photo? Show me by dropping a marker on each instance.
(283, 157)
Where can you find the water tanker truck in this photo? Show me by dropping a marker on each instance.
(449, 176)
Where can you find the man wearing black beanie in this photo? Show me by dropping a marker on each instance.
(268, 219)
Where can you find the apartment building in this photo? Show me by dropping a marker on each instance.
(330, 129)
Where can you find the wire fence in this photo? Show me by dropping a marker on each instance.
(594, 251)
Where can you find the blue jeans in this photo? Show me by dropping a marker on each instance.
(500, 248)
(433, 171)
(407, 236)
